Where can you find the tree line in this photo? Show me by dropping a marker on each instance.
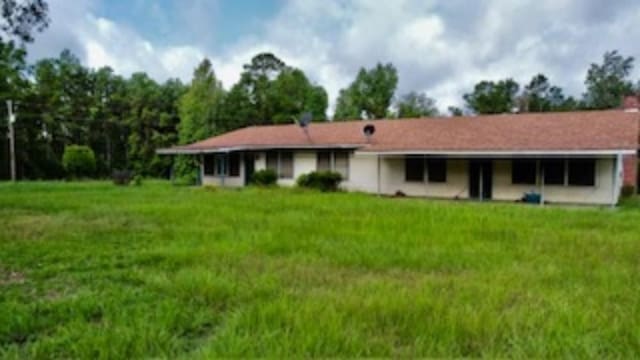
(372, 94)
(124, 120)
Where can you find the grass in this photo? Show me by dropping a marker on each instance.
(90, 270)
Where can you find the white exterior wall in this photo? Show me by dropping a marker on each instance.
(231, 181)
(261, 161)
(303, 162)
(456, 186)
(601, 193)
(363, 176)
(363, 173)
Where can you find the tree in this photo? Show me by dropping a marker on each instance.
(540, 96)
(489, 97)
(59, 113)
(416, 105)
(20, 18)
(264, 65)
(293, 94)
(199, 109)
(608, 83)
(152, 119)
(13, 85)
(370, 95)
(346, 107)
(271, 92)
(455, 111)
(257, 79)
(237, 108)
(79, 161)
(108, 132)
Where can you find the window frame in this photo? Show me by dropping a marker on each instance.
(432, 177)
(525, 166)
(426, 169)
(563, 173)
(332, 155)
(233, 164)
(567, 179)
(281, 174)
(278, 163)
(594, 172)
(209, 164)
(420, 164)
(220, 167)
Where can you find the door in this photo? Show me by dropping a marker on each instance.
(480, 179)
(249, 167)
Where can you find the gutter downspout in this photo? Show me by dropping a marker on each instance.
(617, 174)
(541, 171)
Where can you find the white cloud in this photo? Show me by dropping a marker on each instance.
(441, 47)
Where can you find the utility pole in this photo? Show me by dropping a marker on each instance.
(12, 140)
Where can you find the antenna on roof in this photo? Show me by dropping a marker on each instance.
(304, 121)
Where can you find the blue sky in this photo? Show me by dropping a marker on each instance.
(440, 47)
(210, 23)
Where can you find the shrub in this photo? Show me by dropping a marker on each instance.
(628, 191)
(320, 180)
(137, 180)
(121, 177)
(266, 177)
(79, 161)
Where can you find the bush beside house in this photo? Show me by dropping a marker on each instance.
(266, 177)
(320, 180)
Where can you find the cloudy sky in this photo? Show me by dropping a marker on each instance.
(442, 47)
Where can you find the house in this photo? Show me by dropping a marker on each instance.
(572, 157)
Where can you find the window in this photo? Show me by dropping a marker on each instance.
(341, 163)
(523, 172)
(272, 161)
(209, 164)
(323, 161)
(234, 164)
(220, 165)
(553, 171)
(582, 172)
(337, 161)
(281, 162)
(414, 169)
(286, 165)
(437, 170)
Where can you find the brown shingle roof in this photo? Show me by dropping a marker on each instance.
(569, 131)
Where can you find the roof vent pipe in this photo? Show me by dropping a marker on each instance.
(368, 131)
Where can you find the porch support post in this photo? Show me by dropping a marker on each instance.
(225, 164)
(541, 172)
(425, 174)
(379, 185)
(480, 185)
(617, 169)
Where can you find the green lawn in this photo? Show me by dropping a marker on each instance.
(92, 270)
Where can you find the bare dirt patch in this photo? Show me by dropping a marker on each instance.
(10, 277)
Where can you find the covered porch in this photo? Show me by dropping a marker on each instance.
(578, 178)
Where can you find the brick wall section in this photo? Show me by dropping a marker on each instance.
(630, 168)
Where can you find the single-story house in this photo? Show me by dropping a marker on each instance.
(571, 157)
